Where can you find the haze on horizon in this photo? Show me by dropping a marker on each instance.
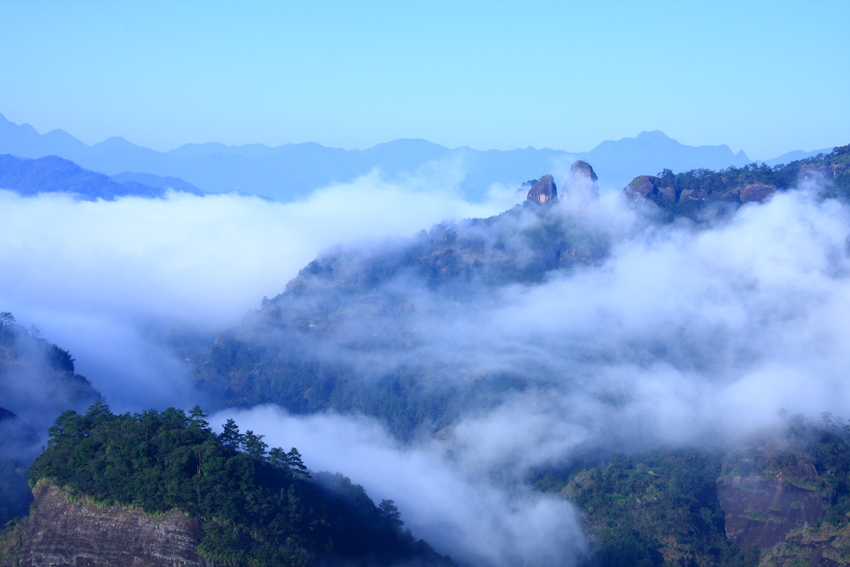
(767, 78)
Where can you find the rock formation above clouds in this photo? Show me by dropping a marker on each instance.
(544, 191)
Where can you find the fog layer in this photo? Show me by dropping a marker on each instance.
(680, 333)
(112, 281)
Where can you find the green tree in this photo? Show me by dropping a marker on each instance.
(254, 445)
(390, 514)
(230, 437)
(293, 460)
(198, 419)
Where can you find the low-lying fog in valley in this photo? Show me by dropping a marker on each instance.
(684, 333)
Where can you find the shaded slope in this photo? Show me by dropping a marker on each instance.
(352, 330)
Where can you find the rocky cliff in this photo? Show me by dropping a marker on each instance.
(544, 191)
(62, 533)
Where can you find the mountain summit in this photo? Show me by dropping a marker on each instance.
(544, 191)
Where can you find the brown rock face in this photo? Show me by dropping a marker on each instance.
(544, 191)
(641, 187)
(757, 192)
(63, 534)
(761, 511)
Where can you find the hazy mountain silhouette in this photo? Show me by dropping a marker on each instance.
(291, 171)
(52, 174)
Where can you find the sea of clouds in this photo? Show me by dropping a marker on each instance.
(685, 333)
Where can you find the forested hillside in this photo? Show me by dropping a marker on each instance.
(364, 311)
(360, 311)
(781, 497)
(685, 194)
(258, 506)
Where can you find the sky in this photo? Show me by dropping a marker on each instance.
(765, 77)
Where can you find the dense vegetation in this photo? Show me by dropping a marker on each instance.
(259, 506)
(653, 508)
(663, 507)
(688, 193)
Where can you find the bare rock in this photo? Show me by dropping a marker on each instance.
(668, 193)
(60, 533)
(544, 191)
(641, 187)
(757, 192)
(760, 511)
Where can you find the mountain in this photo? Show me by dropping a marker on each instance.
(795, 156)
(689, 193)
(53, 174)
(371, 329)
(160, 488)
(778, 498)
(291, 171)
(617, 162)
(24, 141)
(360, 312)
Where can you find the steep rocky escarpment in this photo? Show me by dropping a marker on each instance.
(62, 533)
(760, 512)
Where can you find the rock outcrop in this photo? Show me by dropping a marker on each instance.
(757, 192)
(581, 187)
(767, 490)
(652, 188)
(543, 192)
(60, 533)
(760, 512)
(581, 168)
(641, 187)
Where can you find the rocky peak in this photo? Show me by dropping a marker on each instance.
(544, 191)
(581, 188)
(583, 169)
(641, 186)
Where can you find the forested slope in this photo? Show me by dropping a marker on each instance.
(685, 194)
(257, 506)
(780, 497)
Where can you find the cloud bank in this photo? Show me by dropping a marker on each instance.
(108, 280)
(682, 333)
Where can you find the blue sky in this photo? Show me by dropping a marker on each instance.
(765, 77)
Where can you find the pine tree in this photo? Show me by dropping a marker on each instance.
(293, 459)
(254, 445)
(230, 437)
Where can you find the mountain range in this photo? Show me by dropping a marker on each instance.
(291, 171)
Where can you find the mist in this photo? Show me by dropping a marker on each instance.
(680, 333)
(690, 333)
(464, 512)
(118, 283)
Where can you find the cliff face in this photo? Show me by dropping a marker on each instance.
(59, 533)
(760, 512)
(544, 191)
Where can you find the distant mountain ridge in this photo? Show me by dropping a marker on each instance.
(291, 171)
(52, 174)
